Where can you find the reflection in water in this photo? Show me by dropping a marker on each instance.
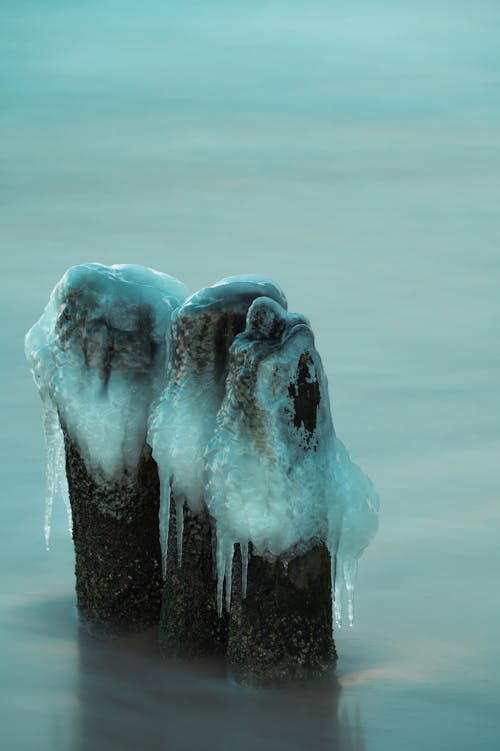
(129, 698)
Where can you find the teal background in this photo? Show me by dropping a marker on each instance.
(350, 151)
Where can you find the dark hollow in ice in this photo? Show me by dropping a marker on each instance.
(123, 339)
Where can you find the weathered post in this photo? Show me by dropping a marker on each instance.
(268, 467)
(280, 628)
(98, 354)
(292, 512)
(181, 424)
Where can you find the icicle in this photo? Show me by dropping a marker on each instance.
(244, 568)
(333, 574)
(164, 520)
(179, 515)
(61, 481)
(337, 593)
(221, 568)
(69, 513)
(350, 569)
(343, 575)
(229, 573)
(49, 502)
(53, 449)
(336, 581)
(225, 554)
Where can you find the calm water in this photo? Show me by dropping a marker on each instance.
(351, 151)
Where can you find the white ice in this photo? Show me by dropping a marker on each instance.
(98, 356)
(352, 523)
(228, 378)
(55, 471)
(276, 476)
(182, 420)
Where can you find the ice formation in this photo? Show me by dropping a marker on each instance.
(183, 419)
(98, 355)
(239, 413)
(276, 475)
(352, 523)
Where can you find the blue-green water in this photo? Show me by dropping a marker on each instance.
(351, 151)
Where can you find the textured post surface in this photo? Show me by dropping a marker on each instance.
(203, 330)
(282, 631)
(189, 625)
(117, 546)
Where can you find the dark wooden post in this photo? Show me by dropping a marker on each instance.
(274, 429)
(117, 545)
(281, 632)
(190, 628)
(203, 330)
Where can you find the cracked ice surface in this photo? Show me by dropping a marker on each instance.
(277, 476)
(182, 420)
(98, 355)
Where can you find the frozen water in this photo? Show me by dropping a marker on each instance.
(182, 420)
(55, 472)
(276, 474)
(98, 356)
(352, 523)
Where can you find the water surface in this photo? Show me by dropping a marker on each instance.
(352, 153)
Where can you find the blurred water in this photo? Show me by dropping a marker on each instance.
(351, 152)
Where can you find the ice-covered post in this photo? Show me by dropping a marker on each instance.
(98, 354)
(278, 486)
(181, 424)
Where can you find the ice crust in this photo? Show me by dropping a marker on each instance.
(182, 420)
(276, 474)
(98, 355)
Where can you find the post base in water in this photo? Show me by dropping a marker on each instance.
(117, 546)
(281, 633)
(190, 628)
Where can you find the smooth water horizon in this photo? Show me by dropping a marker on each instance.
(352, 154)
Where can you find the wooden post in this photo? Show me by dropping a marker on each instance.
(117, 546)
(203, 330)
(98, 355)
(267, 472)
(281, 632)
